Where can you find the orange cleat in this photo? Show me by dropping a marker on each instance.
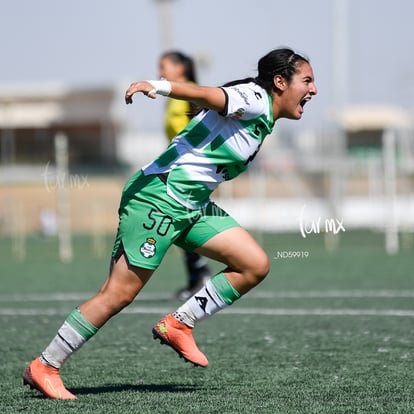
(47, 380)
(180, 338)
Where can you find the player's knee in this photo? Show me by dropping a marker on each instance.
(262, 267)
(124, 300)
(259, 268)
(114, 303)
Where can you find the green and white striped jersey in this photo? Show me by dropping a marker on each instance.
(215, 147)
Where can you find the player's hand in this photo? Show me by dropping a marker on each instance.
(145, 87)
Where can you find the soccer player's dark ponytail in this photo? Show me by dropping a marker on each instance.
(283, 62)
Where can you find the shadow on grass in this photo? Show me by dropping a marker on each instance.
(162, 388)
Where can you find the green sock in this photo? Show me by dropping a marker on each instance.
(81, 325)
(224, 288)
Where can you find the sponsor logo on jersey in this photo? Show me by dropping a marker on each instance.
(243, 95)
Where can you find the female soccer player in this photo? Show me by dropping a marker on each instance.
(177, 66)
(167, 202)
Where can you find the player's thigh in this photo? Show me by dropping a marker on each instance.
(238, 250)
(218, 236)
(125, 277)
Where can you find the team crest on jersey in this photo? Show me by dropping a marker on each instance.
(148, 248)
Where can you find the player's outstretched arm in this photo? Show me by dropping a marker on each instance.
(203, 96)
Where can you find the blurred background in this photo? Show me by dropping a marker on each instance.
(68, 142)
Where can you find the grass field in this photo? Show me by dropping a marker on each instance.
(332, 332)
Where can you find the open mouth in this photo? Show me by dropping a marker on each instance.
(304, 101)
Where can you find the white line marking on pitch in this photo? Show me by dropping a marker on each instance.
(320, 294)
(231, 311)
(289, 294)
